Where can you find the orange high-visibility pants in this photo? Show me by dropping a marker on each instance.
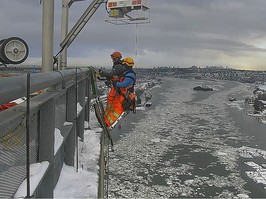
(114, 107)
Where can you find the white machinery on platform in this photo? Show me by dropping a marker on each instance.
(121, 12)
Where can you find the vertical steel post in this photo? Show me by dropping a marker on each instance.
(102, 167)
(71, 142)
(64, 30)
(47, 35)
(82, 102)
(107, 168)
(76, 120)
(46, 146)
(28, 135)
(87, 95)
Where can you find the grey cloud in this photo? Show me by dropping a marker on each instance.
(231, 27)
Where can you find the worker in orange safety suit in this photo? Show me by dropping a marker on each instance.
(121, 97)
(117, 68)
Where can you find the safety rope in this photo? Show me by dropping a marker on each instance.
(136, 45)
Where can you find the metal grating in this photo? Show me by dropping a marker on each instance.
(13, 155)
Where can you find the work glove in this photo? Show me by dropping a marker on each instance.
(108, 83)
(114, 84)
(100, 75)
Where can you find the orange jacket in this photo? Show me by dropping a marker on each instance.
(115, 99)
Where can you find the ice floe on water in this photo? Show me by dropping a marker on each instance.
(142, 108)
(237, 104)
(246, 152)
(156, 140)
(257, 170)
(184, 147)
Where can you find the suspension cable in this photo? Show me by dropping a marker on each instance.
(136, 45)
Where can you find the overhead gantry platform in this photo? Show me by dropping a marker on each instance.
(120, 12)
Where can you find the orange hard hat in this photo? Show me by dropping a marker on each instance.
(116, 54)
(128, 61)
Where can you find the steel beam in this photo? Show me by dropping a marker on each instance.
(64, 30)
(47, 35)
(81, 23)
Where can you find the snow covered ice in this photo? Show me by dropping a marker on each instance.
(183, 147)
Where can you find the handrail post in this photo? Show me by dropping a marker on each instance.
(28, 135)
(76, 118)
(102, 165)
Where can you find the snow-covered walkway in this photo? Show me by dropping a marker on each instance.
(72, 184)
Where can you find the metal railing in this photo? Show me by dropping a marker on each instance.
(50, 110)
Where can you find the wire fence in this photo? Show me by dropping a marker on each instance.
(48, 111)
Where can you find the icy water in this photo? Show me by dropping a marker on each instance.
(185, 144)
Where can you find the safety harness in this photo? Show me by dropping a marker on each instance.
(129, 102)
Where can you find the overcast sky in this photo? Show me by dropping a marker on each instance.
(181, 33)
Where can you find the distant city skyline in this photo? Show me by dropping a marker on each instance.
(181, 33)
